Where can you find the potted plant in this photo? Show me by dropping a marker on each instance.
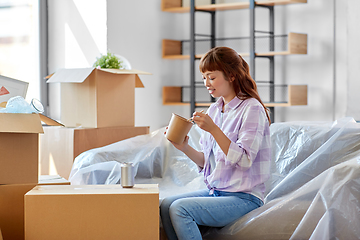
(108, 61)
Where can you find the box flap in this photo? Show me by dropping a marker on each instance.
(124, 71)
(20, 123)
(138, 82)
(73, 75)
(50, 121)
(78, 75)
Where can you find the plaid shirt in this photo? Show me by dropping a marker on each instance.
(247, 165)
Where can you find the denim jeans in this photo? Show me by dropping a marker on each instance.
(181, 214)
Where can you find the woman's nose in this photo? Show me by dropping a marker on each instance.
(206, 82)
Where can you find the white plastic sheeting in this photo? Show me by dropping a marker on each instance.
(313, 193)
(154, 158)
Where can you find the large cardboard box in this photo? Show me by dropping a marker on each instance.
(19, 138)
(12, 210)
(12, 206)
(19, 147)
(59, 146)
(92, 212)
(96, 98)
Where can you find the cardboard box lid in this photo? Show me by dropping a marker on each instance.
(20, 123)
(78, 75)
(25, 122)
(50, 121)
(93, 189)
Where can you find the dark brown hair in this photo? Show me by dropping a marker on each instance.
(233, 66)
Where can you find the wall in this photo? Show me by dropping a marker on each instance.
(352, 59)
(77, 35)
(135, 30)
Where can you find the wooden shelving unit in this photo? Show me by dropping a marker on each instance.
(297, 44)
(175, 6)
(173, 49)
(297, 95)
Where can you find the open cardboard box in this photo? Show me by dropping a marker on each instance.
(19, 147)
(94, 98)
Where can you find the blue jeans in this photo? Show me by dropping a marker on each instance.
(181, 214)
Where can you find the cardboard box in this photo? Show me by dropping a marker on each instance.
(19, 147)
(19, 138)
(96, 98)
(12, 210)
(59, 146)
(92, 212)
(12, 206)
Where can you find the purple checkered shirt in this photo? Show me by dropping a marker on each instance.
(247, 165)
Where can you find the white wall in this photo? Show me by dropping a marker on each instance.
(135, 30)
(353, 59)
(77, 35)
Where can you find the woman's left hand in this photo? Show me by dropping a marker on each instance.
(203, 121)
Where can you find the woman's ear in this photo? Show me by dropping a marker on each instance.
(232, 79)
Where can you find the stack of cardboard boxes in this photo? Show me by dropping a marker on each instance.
(19, 138)
(97, 107)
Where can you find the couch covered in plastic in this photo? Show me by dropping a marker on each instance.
(313, 192)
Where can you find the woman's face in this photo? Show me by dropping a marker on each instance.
(218, 86)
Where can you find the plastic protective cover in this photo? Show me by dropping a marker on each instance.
(313, 192)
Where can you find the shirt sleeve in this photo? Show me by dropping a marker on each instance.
(250, 135)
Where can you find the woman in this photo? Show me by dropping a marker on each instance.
(235, 151)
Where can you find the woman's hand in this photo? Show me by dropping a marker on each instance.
(181, 146)
(207, 124)
(194, 155)
(204, 121)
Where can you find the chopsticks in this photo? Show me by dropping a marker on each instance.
(191, 119)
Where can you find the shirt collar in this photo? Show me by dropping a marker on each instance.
(234, 103)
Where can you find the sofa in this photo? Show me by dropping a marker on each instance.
(313, 191)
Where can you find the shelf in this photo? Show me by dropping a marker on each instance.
(175, 6)
(181, 49)
(297, 95)
(172, 49)
(297, 44)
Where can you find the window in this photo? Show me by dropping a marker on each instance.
(19, 43)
